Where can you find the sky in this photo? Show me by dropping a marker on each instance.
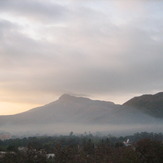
(109, 50)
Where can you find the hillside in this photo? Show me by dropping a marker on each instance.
(70, 113)
(150, 104)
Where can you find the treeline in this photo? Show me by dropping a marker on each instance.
(87, 148)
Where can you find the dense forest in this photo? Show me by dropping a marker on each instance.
(87, 148)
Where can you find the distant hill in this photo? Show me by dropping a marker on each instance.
(150, 104)
(71, 109)
(70, 113)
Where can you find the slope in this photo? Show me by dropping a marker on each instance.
(150, 104)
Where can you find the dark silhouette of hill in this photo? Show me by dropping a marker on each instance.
(150, 104)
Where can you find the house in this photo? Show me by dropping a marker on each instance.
(127, 143)
(22, 149)
(50, 155)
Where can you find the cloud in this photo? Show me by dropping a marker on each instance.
(77, 47)
(38, 10)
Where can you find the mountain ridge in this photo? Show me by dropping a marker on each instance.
(73, 111)
(151, 104)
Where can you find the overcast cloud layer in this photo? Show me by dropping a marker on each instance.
(107, 49)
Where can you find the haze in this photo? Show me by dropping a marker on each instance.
(109, 50)
(78, 114)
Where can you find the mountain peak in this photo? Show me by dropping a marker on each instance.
(67, 97)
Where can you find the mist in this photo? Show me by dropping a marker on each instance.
(65, 129)
(79, 114)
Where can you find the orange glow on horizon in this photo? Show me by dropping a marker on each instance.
(9, 108)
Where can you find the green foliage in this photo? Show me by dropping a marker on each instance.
(145, 148)
(150, 151)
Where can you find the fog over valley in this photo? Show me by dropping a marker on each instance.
(81, 81)
(78, 114)
(81, 65)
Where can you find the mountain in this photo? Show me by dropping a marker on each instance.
(150, 104)
(70, 113)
